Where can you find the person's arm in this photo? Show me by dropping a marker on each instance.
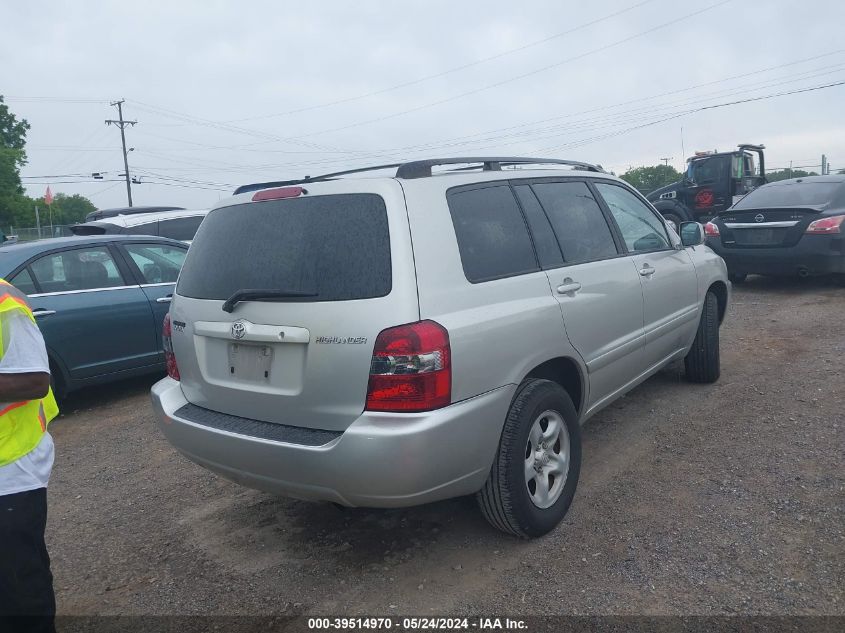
(24, 368)
(21, 387)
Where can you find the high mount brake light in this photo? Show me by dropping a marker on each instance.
(411, 369)
(278, 194)
(825, 226)
(169, 356)
(711, 230)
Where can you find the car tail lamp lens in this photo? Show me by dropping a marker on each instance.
(711, 230)
(278, 193)
(827, 225)
(411, 369)
(169, 356)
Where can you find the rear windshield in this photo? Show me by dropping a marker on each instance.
(792, 195)
(337, 247)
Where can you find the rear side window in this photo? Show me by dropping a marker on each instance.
(492, 237)
(577, 219)
(77, 269)
(180, 228)
(23, 282)
(336, 246)
(149, 228)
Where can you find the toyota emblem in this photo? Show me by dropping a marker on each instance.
(238, 329)
(759, 217)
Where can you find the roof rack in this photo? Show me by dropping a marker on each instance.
(299, 181)
(110, 213)
(422, 169)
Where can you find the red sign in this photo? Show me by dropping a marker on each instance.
(704, 199)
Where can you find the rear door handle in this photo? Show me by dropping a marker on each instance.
(166, 299)
(568, 287)
(40, 312)
(646, 270)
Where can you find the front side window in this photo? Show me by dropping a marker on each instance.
(641, 229)
(577, 220)
(157, 263)
(492, 237)
(709, 171)
(79, 269)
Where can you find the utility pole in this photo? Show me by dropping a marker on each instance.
(122, 125)
(824, 165)
(666, 160)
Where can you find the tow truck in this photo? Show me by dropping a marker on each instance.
(712, 182)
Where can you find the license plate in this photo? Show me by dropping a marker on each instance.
(758, 236)
(250, 362)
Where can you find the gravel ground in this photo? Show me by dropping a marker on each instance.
(720, 499)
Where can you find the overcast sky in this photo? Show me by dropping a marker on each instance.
(226, 93)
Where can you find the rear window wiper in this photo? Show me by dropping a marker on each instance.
(257, 294)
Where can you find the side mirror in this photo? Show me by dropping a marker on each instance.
(692, 234)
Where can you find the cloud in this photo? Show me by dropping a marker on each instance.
(227, 61)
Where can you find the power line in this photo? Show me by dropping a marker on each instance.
(694, 110)
(517, 77)
(299, 138)
(448, 71)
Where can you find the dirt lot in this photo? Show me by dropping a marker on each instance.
(719, 499)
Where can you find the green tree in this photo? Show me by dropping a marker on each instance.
(786, 174)
(65, 209)
(647, 179)
(12, 158)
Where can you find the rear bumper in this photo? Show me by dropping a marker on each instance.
(381, 460)
(812, 255)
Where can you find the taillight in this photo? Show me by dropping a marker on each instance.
(826, 225)
(169, 356)
(711, 230)
(411, 369)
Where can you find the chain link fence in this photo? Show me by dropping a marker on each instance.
(30, 234)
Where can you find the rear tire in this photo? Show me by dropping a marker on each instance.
(702, 361)
(737, 278)
(531, 451)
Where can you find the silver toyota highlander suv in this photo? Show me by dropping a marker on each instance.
(443, 330)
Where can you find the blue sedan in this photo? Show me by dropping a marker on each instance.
(99, 301)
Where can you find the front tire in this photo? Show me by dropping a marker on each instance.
(702, 361)
(538, 462)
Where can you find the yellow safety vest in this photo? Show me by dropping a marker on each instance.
(22, 424)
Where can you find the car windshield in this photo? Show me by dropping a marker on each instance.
(796, 194)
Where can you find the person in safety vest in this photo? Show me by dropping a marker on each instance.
(26, 458)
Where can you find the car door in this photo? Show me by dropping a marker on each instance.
(597, 289)
(666, 273)
(93, 316)
(156, 266)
